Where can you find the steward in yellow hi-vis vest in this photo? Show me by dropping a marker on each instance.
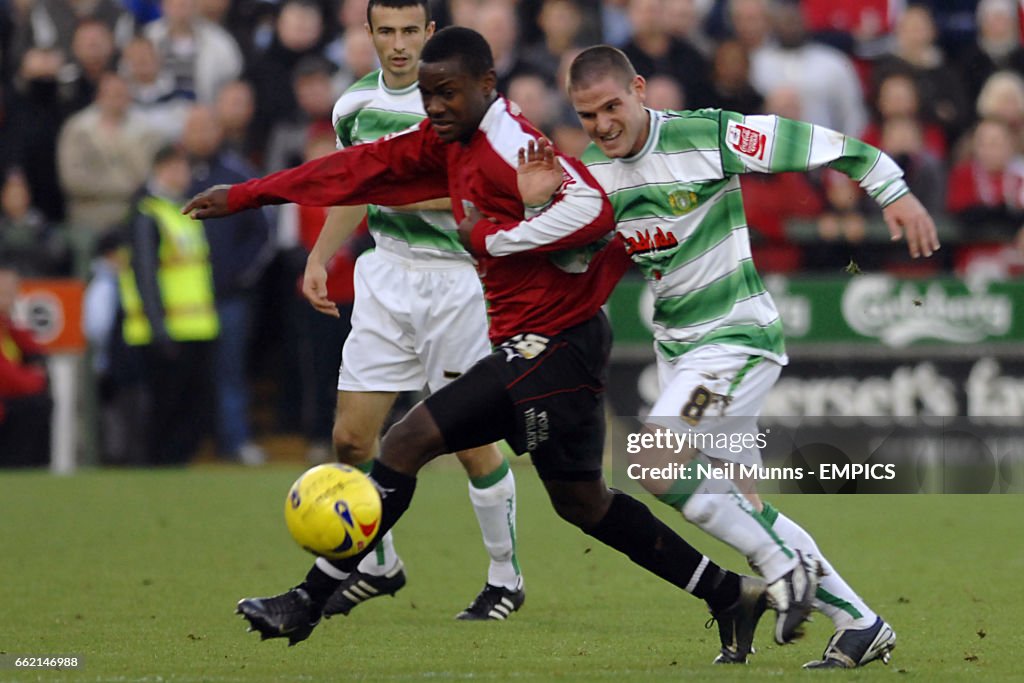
(183, 275)
(170, 316)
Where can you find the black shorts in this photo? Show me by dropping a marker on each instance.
(541, 394)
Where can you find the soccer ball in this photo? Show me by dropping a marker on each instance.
(333, 511)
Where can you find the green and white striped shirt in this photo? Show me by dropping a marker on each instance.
(679, 209)
(369, 110)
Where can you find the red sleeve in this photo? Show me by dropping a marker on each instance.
(402, 168)
(23, 338)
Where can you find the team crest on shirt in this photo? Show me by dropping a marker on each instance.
(682, 201)
(747, 141)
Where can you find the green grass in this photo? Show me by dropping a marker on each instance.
(138, 573)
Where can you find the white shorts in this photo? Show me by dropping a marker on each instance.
(414, 324)
(719, 391)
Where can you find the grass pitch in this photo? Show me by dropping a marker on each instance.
(138, 572)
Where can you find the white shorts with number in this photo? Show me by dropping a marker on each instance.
(415, 323)
(717, 390)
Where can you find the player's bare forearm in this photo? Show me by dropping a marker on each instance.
(339, 225)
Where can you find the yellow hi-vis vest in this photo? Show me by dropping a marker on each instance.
(183, 274)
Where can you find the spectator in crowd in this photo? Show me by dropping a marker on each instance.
(351, 18)
(1002, 99)
(25, 404)
(859, 27)
(897, 97)
(51, 24)
(239, 251)
(664, 92)
(235, 106)
(93, 54)
(497, 23)
(27, 238)
(830, 92)
(167, 295)
(615, 28)
(538, 102)
(903, 138)
(298, 33)
(559, 22)
(123, 405)
(154, 91)
(751, 23)
(684, 21)
(654, 51)
(313, 85)
(358, 59)
(997, 46)
(916, 51)
(103, 155)
(986, 191)
(36, 113)
(730, 79)
(200, 55)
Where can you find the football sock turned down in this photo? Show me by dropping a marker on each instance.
(494, 502)
(717, 507)
(633, 530)
(835, 599)
(384, 558)
(396, 493)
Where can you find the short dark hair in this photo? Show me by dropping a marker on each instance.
(463, 43)
(597, 62)
(399, 4)
(167, 153)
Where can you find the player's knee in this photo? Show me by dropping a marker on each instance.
(582, 508)
(412, 442)
(352, 446)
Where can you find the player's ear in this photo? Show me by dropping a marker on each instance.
(639, 86)
(430, 30)
(369, 30)
(489, 82)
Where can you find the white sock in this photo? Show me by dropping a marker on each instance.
(495, 507)
(383, 558)
(718, 507)
(835, 599)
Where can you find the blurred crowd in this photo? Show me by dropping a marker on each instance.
(93, 92)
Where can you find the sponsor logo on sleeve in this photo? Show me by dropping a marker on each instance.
(746, 141)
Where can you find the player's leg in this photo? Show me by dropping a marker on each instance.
(492, 491)
(470, 412)
(451, 336)
(358, 421)
(718, 391)
(861, 636)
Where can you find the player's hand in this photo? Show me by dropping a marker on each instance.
(210, 203)
(907, 218)
(539, 174)
(466, 226)
(314, 288)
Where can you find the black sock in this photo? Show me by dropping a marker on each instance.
(396, 493)
(632, 529)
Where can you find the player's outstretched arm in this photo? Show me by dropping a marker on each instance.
(908, 219)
